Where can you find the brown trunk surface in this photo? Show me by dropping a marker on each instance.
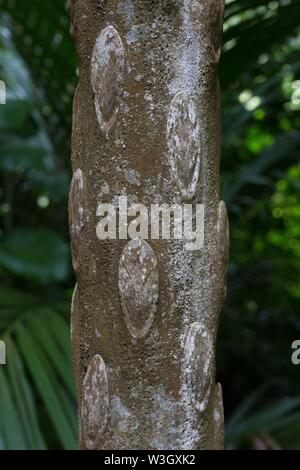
(145, 313)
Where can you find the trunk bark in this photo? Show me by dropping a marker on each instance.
(145, 314)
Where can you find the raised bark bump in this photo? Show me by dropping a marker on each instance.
(218, 418)
(138, 286)
(184, 144)
(107, 76)
(215, 434)
(95, 403)
(77, 214)
(198, 366)
(223, 243)
(75, 337)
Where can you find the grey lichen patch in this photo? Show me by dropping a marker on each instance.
(95, 402)
(107, 76)
(206, 18)
(104, 190)
(77, 215)
(133, 177)
(126, 10)
(123, 420)
(166, 426)
(198, 366)
(184, 143)
(138, 286)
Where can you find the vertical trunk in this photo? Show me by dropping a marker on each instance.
(145, 313)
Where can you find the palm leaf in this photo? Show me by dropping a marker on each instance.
(38, 369)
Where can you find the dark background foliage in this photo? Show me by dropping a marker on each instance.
(260, 184)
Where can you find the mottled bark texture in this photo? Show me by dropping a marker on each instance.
(145, 313)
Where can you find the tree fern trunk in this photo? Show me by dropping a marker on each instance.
(145, 313)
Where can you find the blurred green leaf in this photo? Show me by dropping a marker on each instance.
(14, 114)
(24, 400)
(19, 157)
(45, 380)
(40, 255)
